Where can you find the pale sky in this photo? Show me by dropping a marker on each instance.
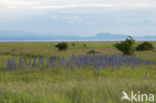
(79, 17)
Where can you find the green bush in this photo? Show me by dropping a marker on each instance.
(73, 44)
(62, 46)
(84, 45)
(126, 47)
(145, 46)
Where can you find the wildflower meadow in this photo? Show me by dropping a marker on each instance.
(39, 73)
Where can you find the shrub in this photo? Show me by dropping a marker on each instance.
(145, 46)
(126, 47)
(62, 46)
(84, 45)
(73, 44)
(92, 52)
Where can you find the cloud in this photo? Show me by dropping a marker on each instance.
(62, 4)
(69, 19)
(73, 6)
(79, 16)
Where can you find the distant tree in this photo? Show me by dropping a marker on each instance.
(62, 46)
(126, 47)
(145, 46)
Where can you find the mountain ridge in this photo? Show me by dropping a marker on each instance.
(20, 35)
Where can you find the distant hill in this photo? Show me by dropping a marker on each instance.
(20, 35)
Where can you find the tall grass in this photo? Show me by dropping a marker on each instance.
(84, 86)
(61, 85)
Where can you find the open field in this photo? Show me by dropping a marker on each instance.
(79, 85)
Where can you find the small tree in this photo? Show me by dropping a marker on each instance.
(145, 46)
(62, 46)
(127, 46)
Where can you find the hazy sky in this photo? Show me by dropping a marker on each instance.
(79, 17)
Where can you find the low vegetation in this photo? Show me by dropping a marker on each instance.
(92, 52)
(145, 46)
(73, 44)
(62, 46)
(84, 45)
(49, 76)
(127, 46)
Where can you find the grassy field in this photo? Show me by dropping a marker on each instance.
(64, 86)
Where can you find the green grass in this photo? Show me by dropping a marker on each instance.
(81, 86)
